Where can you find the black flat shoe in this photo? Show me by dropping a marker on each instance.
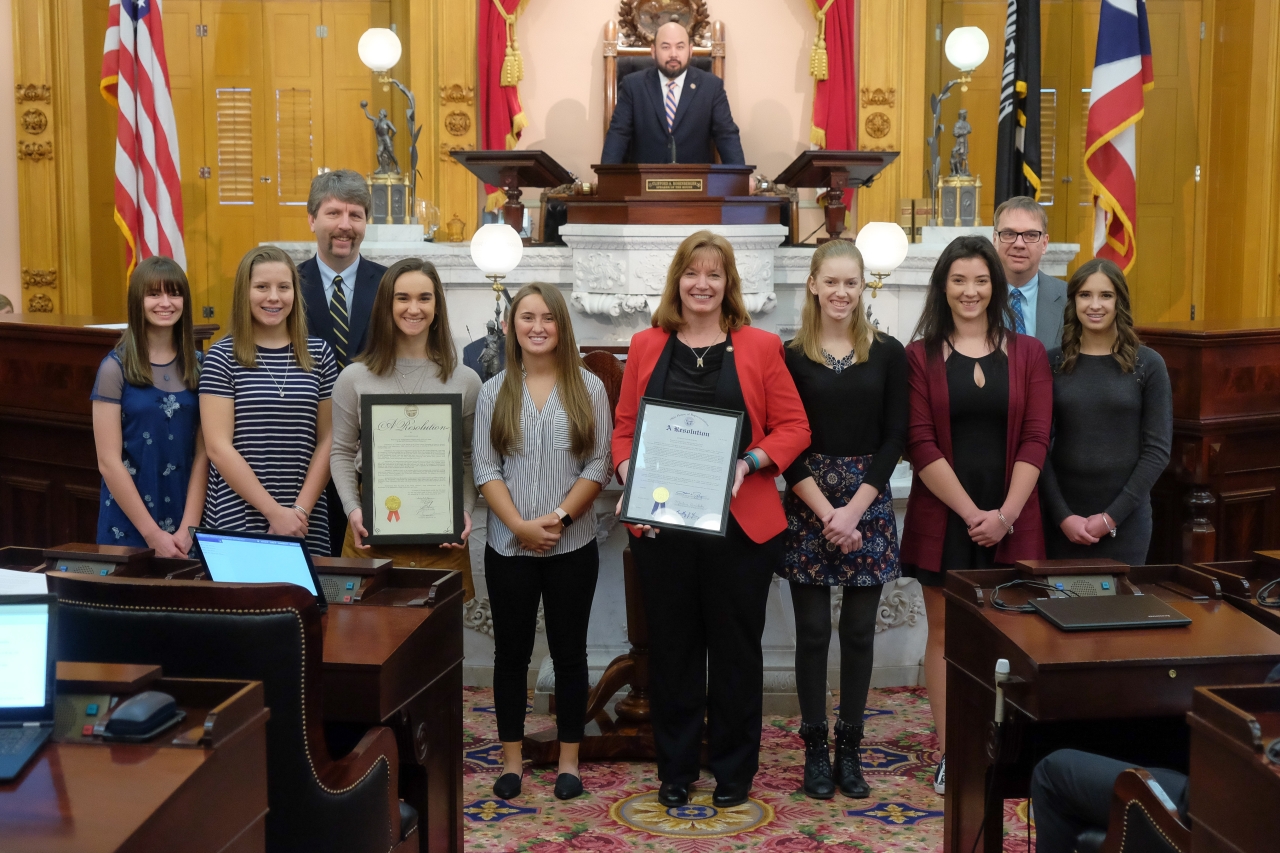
(568, 786)
(507, 787)
(728, 796)
(673, 794)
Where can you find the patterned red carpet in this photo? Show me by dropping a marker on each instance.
(619, 812)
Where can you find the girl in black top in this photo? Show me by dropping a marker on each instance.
(841, 529)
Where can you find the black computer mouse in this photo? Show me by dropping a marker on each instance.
(142, 713)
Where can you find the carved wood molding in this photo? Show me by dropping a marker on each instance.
(32, 92)
(638, 20)
(457, 123)
(877, 125)
(34, 121)
(40, 303)
(35, 150)
(39, 278)
(457, 94)
(446, 147)
(878, 97)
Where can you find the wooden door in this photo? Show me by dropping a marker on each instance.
(349, 139)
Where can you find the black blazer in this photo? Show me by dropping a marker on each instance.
(638, 132)
(368, 274)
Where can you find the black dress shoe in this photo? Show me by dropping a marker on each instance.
(673, 794)
(728, 796)
(507, 786)
(568, 786)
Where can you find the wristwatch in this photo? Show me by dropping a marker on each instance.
(565, 518)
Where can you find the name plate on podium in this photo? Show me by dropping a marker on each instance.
(666, 185)
(674, 194)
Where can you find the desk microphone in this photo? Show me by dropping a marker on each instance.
(672, 146)
(1002, 675)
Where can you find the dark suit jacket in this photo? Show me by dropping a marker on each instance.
(1051, 304)
(368, 274)
(638, 132)
(929, 439)
(779, 424)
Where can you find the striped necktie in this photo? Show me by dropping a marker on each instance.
(341, 327)
(1019, 319)
(671, 104)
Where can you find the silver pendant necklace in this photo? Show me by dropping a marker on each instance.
(279, 387)
(705, 350)
(419, 370)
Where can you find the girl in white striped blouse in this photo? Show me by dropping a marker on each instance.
(541, 456)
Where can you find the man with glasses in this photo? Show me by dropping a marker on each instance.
(1038, 300)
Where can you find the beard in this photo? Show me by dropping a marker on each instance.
(671, 75)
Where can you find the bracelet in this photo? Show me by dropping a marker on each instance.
(1004, 521)
(1110, 529)
(753, 463)
(305, 514)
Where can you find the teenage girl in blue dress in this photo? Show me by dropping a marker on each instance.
(146, 419)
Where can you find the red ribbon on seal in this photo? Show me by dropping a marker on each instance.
(394, 515)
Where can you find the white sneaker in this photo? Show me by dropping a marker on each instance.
(940, 777)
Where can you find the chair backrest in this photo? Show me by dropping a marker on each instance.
(263, 632)
(609, 369)
(621, 59)
(1142, 819)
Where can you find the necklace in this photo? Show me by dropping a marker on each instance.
(279, 387)
(705, 350)
(419, 370)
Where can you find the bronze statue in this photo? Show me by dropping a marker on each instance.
(491, 356)
(960, 152)
(385, 132)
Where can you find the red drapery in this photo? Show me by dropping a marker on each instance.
(501, 116)
(835, 107)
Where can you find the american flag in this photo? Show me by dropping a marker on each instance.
(1121, 74)
(135, 78)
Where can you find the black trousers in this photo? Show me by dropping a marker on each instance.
(1071, 792)
(705, 600)
(566, 585)
(812, 606)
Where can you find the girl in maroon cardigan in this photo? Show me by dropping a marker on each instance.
(981, 402)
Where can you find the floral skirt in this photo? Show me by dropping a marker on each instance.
(811, 559)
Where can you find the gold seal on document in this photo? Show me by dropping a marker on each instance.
(661, 495)
(393, 503)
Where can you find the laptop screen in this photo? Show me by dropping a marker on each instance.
(25, 681)
(251, 559)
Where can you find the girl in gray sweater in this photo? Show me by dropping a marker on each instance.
(409, 351)
(1112, 422)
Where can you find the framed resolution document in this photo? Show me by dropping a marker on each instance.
(682, 466)
(411, 448)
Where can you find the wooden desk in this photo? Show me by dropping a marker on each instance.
(674, 194)
(1121, 693)
(1234, 794)
(200, 787)
(49, 480)
(1241, 580)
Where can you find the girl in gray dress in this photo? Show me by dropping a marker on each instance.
(1113, 425)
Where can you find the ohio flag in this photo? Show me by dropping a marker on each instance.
(1121, 74)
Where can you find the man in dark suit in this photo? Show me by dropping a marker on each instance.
(338, 285)
(673, 111)
(1038, 299)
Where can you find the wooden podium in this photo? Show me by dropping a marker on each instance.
(512, 170)
(836, 171)
(1219, 499)
(674, 194)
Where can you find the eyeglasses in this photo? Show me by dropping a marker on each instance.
(1027, 236)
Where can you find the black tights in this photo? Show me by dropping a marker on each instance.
(812, 604)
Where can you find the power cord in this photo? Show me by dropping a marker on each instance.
(1273, 751)
(1025, 608)
(1269, 601)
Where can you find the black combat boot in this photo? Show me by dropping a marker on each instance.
(848, 770)
(817, 761)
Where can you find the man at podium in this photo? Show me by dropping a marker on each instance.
(672, 113)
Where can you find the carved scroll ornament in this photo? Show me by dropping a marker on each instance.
(638, 20)
(32, 92)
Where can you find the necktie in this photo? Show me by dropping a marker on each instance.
(671, 104)
(338, 313)
(1019, 319)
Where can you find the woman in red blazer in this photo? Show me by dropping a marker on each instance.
(705, 596)
(981, 401)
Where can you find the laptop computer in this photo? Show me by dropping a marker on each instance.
(28, 678)
(1095, 613)
(258, 558)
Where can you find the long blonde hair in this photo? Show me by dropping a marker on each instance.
(242, 345)
(504, 433)
(380, 352)
(733, 310)
(151, 276)
(861, 333)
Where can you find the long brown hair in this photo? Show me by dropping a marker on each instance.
(380, 352)
(150, 277)
(242, 345)
(505, 433)
(937, 325)
(733, 311)
(1125, 349)
(809, 339)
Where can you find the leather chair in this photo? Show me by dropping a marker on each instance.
(264, 632)
(1143, 820)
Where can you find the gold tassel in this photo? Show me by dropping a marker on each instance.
(819, 68)
(513, 62)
